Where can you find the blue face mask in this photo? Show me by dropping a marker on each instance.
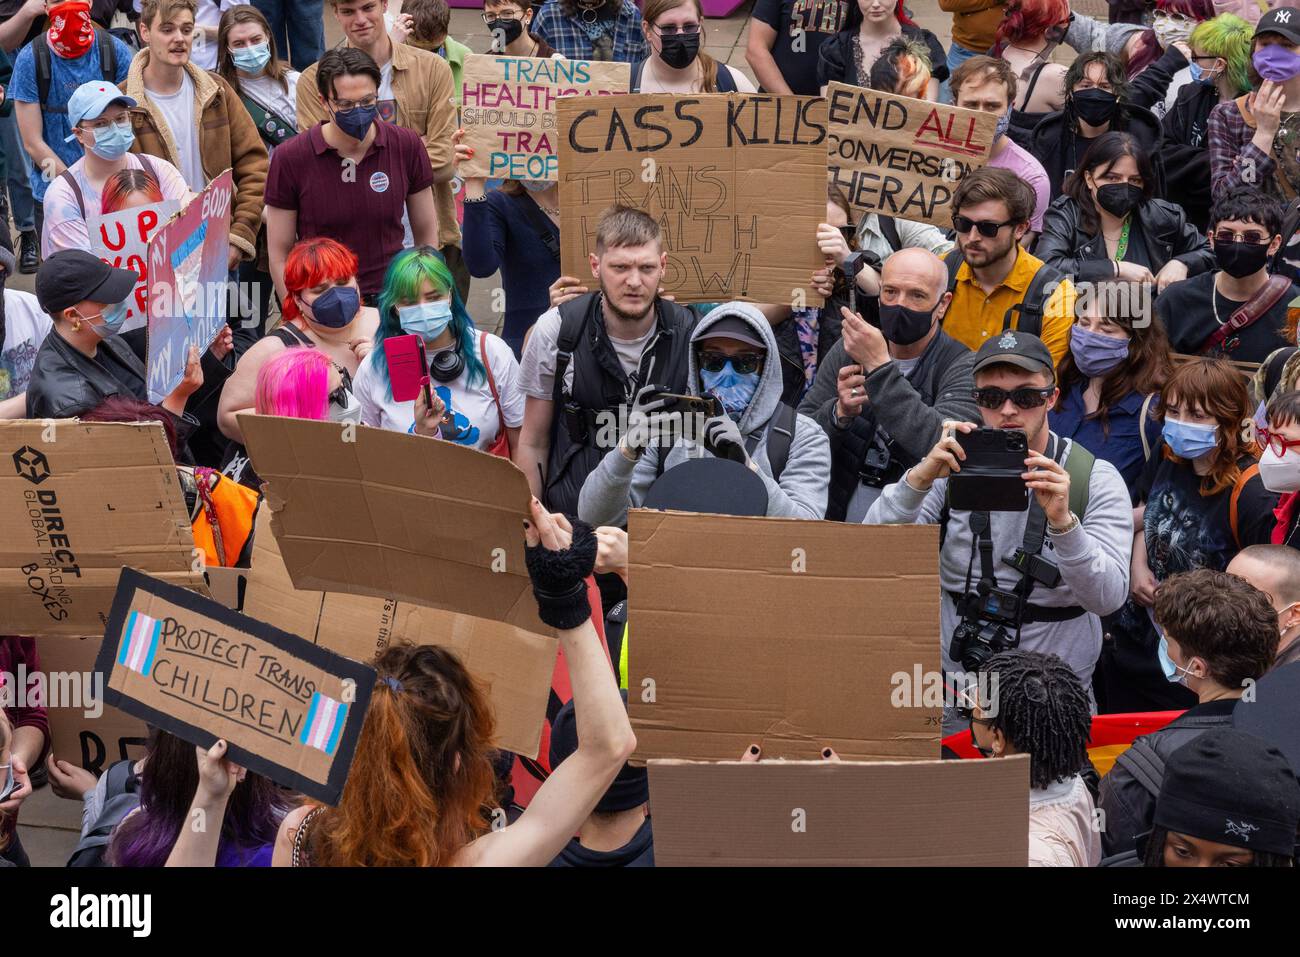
(252, 59)
(733, 389)
(1188, 440)
(1004, 124)
(1169, 666)
(335, 308)
(428, 320)
(112, 141)
(113, 318)
(357, 121)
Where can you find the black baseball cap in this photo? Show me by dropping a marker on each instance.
(630, 788)
(1018, 349)
(71, 276)
(1284, 21)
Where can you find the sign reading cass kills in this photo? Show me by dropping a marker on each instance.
(737, 183)
(508, 110)
(902, 157)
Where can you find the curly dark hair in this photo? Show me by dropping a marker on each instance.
(1222, 619)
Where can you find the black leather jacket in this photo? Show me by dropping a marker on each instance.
(1065, 246)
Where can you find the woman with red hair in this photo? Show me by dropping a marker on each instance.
(323, 310)
(1028, 34)
(871, 26)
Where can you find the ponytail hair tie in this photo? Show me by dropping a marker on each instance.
(392, 683)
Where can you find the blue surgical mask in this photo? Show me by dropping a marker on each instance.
(537, 185)
(113, 318)
(1170, 667)
(733, 389)
(357, 121)
(112, 141)
(1004, 124)
(335, 308)
(252, 59)
(1189, 440)
(427, 320)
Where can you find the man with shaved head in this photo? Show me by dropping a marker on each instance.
(1275, 570)
(884, 390)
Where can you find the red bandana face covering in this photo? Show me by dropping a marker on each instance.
(71, 33)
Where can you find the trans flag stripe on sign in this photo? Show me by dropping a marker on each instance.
(139, 643)
(324, 726)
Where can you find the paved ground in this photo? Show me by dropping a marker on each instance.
(49, 824)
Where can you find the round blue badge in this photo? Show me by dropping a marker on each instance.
(379, 182)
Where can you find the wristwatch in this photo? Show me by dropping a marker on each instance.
(1071, 526)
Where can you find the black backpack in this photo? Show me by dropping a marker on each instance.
(1030, 311)
(41, 51)
(122, 796)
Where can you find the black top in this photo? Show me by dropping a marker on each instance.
(812, 23)
(838, 60)
(638, 852)
(1188, 314)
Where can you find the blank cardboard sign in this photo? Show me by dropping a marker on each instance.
(819, 813)
(786, 634)
(78, 501)
(514, 665)
(290, 711)
(374, 512)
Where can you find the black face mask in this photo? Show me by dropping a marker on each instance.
(1119, 198)
(903, 326)
(1240, 259)
(680, 49)
(1094, 107)
(511, 30)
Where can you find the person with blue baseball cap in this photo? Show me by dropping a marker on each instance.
(99, 114)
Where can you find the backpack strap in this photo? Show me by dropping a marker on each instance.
(1145, 764)
(952, 260)
(1248, 312)
(780, 436)
(1078, 465)
(889, 229)
(73, 185)
(107, 54)
(492, 382)
(41, 54)
(1274, 367)
(634, 81)
(1030, 310)
(1246, 475)
(541, 225)
(1142, 425)
(726, 82)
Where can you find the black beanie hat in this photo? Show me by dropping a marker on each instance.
(632, 786)
(1232, 788)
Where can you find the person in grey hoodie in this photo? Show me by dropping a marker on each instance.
(1014, 387)
(731, 338)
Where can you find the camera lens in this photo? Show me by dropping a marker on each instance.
(1016, 442)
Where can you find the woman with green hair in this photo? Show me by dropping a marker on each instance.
(474, 376)
(1220, 57)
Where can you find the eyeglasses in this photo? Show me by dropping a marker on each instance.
(123, 121)
(988, 229)
(688, 29)
(503, 15)
(347, 106)
(991, 397)
(1278, 443)
(744, 364)
(1252, 236)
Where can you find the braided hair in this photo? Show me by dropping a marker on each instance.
(1042, 709)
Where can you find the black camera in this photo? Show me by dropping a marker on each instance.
(990, 624)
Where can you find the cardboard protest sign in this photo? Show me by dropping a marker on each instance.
(514, 665)
(508, 110)
(374, 512)
(121, 239)
(902, 157)
(818, 813)
(77, 502)
(736, 181)
(78, 734)
(189, 268)
(289, 710)
(723, 653)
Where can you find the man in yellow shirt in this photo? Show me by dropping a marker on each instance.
(991, 212)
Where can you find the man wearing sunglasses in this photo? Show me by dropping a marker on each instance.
(995, 283)
(1237, 310)
(734, 358)
(1066, 576)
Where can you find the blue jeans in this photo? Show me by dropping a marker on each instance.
(299, 29)
(17, 168)
(957, 55)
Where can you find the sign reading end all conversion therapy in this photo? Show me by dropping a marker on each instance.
(289, 710)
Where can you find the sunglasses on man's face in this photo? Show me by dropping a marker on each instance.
(743, 364)
(987, 228)
(991, 397)
(1254, 237)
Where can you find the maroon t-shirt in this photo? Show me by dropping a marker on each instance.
(362, 208)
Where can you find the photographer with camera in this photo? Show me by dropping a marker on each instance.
(1018, 570)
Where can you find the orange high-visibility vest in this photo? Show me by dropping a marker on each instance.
(231, 508)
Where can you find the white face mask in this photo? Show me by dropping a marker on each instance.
(1280, 473)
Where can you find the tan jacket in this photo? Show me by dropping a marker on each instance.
(228, 139)
(424, 91)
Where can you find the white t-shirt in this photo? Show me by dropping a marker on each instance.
(470, 406)
(177, 111)
(26, 327)
(537, 371)
(272, 95)
(65, 226)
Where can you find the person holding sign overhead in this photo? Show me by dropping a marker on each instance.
(674, 31)
(870, 27)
